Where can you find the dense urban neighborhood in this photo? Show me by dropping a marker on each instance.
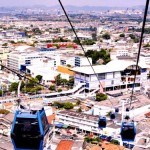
(79, 79)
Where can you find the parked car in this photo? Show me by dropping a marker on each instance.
(69, 132)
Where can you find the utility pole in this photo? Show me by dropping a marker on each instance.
(122, 111)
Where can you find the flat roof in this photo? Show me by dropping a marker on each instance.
(112, 66)
(44, 71)
(27, 115)
(140, 101)
(80, 115)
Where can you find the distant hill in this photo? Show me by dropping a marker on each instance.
(74, 8)
(95, 8)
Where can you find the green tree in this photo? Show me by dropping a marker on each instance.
(79, 110)
(37, 31)
(38, 88)
(108, 114)
(1, 92)
(58, 80)
(33, 90)
(39, 77)
(32, 82)
(71, 81)
(57, 46)
(52, 87)
(68, 65)
(147, 45)
(88, 42)
(58, 104)
(132, 36)
(69, 46)
(4, 111)
(96, 55)
(68, 105)
(26, 89)
(106, 36)
(13, 87)
(64, 81)
(101, 97)
(136, 40)
(12, 42)
(115, 142)
(87, 139)
(94, 36)
(122, 35)
(76, 41)
(59, 90)
(5, 44)
(78, 102)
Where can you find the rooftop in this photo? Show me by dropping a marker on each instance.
(138, 101)
(107, 146)
(147, 115)
(112, 66)
(50, 118)
(79, 115)
(22, 48)
(65, 145)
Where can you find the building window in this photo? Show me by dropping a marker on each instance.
(101, 76)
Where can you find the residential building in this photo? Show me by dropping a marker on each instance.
(145, 57)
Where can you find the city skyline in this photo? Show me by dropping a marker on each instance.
(109, 3)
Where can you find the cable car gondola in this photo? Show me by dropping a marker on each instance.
(128, 131)
(30, 130)
(127, 109)
(112, 116)
(102, 122)
(117, 110)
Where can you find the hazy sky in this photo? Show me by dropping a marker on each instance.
(73, 2)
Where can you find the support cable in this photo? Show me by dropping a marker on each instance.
(139, 50)
(80, 44)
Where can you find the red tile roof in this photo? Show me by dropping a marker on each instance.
(147, 115)
(8, 104)
(65, 145)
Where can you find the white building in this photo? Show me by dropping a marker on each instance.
(28, 56)
(86, 123)
(48, 74)
(83, 37)
(122, 52)
(18, 61)
(145, 57)
(146, 40)
(117, 74)
(75, 61)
